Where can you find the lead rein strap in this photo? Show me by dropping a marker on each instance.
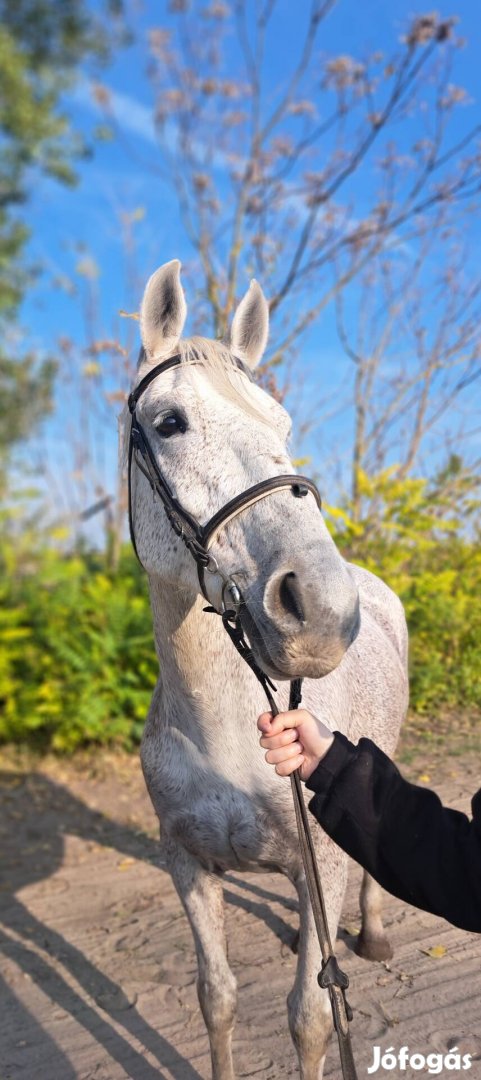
(330, 977)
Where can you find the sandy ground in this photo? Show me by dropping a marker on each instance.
(98, 972)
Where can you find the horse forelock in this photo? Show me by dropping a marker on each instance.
(222, 369)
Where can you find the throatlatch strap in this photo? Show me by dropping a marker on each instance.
(330, 978)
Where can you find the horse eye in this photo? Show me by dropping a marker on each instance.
(172, 424)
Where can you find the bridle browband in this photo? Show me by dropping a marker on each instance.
(198, 540)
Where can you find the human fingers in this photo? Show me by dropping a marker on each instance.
(273, 725)
(264, 721)
(285, 768)
(283, 753)
(271, 742)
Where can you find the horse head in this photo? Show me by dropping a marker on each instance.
(214, 433)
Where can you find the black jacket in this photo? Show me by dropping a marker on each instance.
(415, 847)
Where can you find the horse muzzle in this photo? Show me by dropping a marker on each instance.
(304, 626)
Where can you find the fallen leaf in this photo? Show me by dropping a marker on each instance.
(425, 778)
(436, 951)
(125, 864)
(349, 928)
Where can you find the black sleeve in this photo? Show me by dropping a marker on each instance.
(417, 849)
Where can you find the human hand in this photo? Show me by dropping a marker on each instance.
(294, 740)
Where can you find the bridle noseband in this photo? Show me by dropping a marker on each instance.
(198, 538)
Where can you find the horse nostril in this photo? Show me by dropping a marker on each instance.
(290, 596)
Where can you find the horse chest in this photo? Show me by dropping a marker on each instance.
(222, 833)
(226, 828)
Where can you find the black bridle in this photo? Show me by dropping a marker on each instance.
(198, 540)
(196, 537)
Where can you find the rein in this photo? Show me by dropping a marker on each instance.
(198, 540)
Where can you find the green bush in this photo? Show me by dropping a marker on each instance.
(77, 661)
(443, 609)
(422, 538)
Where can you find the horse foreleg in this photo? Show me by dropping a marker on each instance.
(309, 1008)
(372, 943)
(202, 897)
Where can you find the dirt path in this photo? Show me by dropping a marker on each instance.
(97, 978)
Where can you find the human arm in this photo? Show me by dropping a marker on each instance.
(420, 851)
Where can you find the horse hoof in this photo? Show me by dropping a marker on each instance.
(373, 948)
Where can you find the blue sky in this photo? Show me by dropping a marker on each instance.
(70, 225)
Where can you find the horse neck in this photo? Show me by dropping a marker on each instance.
(197, 660)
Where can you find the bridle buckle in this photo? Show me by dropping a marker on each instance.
(211, 565)
(235, 598)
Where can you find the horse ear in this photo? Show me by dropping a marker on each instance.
(163, 310)
(251, 325)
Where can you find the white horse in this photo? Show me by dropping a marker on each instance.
(221, 807)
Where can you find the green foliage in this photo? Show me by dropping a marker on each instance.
(77, 662)
(420, 537)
